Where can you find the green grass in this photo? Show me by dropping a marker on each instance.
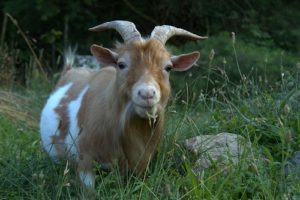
(267, 114)
(27, 173)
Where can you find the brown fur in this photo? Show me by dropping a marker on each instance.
(103, 138)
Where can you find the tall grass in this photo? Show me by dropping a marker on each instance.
(265, 113)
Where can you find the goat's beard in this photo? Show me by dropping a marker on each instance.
(146, 112)
(131, 110)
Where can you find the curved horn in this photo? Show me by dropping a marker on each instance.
(163, 33)
(126, 29)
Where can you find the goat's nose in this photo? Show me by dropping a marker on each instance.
(147, 94)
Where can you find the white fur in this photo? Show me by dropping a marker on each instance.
(50, 119)
(87, 178)
(146, 107)
(71, 139)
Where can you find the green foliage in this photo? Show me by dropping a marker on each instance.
(52, 25)
(225, 62)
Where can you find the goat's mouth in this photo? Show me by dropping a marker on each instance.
(146, 111)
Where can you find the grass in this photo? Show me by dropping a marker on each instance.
(267, 114)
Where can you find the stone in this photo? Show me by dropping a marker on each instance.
(86, 61)
(293, 165)
(223, 149)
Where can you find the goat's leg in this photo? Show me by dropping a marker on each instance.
(85, 171)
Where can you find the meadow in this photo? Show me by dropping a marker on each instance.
(236, 87)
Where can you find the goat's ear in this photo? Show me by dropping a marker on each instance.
(184, 61)
(104, 55)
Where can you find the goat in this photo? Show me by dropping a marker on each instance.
(116, 113)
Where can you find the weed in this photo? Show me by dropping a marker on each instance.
(265, 112)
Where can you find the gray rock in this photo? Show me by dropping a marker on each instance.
(86, 61)
(222, 149)
(295, 99)
(296, 159)
(293, 165)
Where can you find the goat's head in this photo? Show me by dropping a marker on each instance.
(143, 65)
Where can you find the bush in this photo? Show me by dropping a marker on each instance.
(52, 25)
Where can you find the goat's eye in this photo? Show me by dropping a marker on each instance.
(122, 65)
(168, 68)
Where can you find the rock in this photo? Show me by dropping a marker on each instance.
(222, 149)
(296, 158)
(294, 99)
(86, 61)
(293, 165)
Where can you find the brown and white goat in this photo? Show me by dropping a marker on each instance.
(115, 114)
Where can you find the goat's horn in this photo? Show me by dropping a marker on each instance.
(163, 33)
(126, 29)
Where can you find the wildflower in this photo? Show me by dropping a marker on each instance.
(67, 184)
(184, 102)
(211, 55)
(286, 109)
(66, 169)
(224, 61)
(266, 59)
(289, 136)
(233, 37)
(41, 175)
(201, 97)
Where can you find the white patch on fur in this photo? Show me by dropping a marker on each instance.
(146, 107)
(71, 139)
(87, 178)
(49, 121)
